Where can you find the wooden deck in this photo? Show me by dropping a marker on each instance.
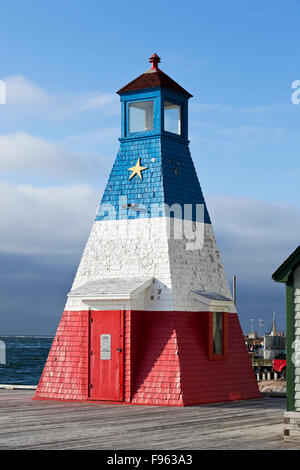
(33, 424)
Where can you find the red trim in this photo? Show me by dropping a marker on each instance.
(127, 356)
(122, 345)
(89, 353)
(211, 355)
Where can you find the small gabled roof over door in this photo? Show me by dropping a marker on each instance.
(111, 288)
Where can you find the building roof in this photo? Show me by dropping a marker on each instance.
(284, 271)
(114, 288)
(212, 295)
(213, 300)
(154, 77)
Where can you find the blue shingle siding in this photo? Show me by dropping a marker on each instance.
(180, 179)
(170, 177)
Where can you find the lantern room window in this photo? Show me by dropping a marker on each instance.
(141, 116)
(172, 117)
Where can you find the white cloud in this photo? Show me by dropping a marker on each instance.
(256, 236)
(95, 136)
(96, 101)
(218, 108)
(45, 220)
(22, 91)
(27, 97)
(34, 155)
(208, 107)
(23, 151)
(254, 131)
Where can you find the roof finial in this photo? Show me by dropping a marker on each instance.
(154, 59)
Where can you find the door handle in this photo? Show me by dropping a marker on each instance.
(119, 349)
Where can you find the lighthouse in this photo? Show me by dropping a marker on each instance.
(150, 317)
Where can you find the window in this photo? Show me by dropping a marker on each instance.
(172, 118)
(217, 336)
(141, 116)
(217, 333)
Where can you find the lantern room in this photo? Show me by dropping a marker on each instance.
(154, 105)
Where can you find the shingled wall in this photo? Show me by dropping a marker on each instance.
(166, 361)
(65, 375)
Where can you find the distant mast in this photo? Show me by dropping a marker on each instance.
(274, 328)
(234, 289)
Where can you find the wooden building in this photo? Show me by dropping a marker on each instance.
(289, 274)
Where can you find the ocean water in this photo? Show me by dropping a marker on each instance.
(25, 358)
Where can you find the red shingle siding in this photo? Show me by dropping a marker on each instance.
(209, 381)
(65, 375)
(171, 364)
(166, 360)
(155, 365)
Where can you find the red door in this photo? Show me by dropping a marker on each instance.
(106, 355)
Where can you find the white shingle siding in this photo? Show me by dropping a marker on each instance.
(142, 248)
(297, 332)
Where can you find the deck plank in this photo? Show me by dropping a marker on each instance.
(34, 424)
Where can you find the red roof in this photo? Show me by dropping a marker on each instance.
(153, 78)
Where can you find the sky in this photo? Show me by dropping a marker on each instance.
(62, 62)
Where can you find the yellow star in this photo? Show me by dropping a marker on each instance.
(137, 169)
